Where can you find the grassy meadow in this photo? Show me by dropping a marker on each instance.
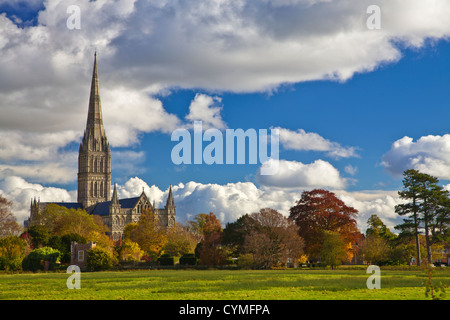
(340, 284)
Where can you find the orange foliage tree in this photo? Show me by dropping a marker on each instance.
(318, 211)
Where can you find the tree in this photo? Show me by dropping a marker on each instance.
(376, 227)
(37, 259)
(235, 232)
(130, 251)
(99, 259)
(149, 234)
(375, 249)
(12, 251)
(40, 236)
(76, 221)
(196, 225)
(334, 249)
(320, 210)
(8, 223)
(426, 203)
(179, 241)
(273, 239)
(211, 251)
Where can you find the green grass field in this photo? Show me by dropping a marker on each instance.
(341, 284)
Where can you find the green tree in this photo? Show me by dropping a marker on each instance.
(334, 249)
(37, 259)
(99, 259)
(12, 251)
(426, 200)
(375, 226)
(375, 249)
(235, 232)
(40, 235)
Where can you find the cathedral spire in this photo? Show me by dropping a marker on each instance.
(94, 154)
(94, 125)
(170, 202)
(115, 198)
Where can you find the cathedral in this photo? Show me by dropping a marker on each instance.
(94, 179)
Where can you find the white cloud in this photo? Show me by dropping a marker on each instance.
(351, 170)
(228, 202)
(302, 140)
(145, 47)
(204, 108)
(127, 113)
(20, 192)
(294, 174)
(368, 202)
(429, 154)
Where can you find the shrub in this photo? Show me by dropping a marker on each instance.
(38, 257)
(188, 259)
(12, 251)
(166, 260)
(99, 259)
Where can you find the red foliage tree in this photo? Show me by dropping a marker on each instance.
(318, 211)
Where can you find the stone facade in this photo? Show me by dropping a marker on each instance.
(94, 179)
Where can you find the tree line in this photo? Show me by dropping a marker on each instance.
(320, 230)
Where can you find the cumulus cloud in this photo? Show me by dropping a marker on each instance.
(204, 108)
(429, 154)
(228, 201)
(146, 47)
(301, 140)
(20, 192)
(294, 174)
(369, 202)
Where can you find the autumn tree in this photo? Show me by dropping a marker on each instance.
(8, 223)
(196, 226)
(210, 249)
(320, 210)
(272, 239)
(149, 234)
(179, 241)
(130, 251)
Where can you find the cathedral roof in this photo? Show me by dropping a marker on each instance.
(102, 208)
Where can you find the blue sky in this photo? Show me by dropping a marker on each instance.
(369, 111)
(355, 107)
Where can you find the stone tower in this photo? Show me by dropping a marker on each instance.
(171, 209)
(94, 156)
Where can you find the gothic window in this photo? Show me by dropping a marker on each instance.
(101, 164)
(92, 189)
